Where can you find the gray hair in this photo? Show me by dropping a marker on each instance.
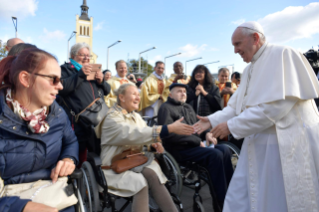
(247, 31)
(77, 47)
(121, 90)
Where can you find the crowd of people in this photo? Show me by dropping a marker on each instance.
(46, 128)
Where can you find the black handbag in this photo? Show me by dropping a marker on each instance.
(93, 113)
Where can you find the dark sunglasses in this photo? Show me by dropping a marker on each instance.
(55, 79)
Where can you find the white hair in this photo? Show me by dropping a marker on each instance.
(247, 31)
(77, 47)
(121, 90)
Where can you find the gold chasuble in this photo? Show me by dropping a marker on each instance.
(115, 83)
(225, 98)
(152, 90)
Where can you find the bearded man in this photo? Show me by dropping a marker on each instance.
(279, 163)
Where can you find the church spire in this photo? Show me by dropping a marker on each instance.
(84, 11)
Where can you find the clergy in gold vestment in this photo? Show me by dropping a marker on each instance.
(116, 81)
(153, 93)
(278, 168)
(178, 76)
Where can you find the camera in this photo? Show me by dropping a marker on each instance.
(313, 58)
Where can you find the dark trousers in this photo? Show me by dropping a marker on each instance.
(216, 160)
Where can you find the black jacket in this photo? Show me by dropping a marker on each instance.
(77, 92)
(213, 98)
(171, 111)
(76, 95)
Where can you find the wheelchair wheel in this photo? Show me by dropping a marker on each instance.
(235, 152)
(155, 208)
(90, 194)
(175, 177)
(198, 206)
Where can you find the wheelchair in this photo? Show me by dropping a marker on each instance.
(195, 176)
(94, 181)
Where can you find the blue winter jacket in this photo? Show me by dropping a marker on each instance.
(28, 157)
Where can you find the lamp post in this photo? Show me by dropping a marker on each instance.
(170, 56)
(211, 63)
(15, 24)
(107, 56)
(139, 58)
(189, 61)
(68, 50)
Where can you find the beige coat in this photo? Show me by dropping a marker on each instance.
(119, 131)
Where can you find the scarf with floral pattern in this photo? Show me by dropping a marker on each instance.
(36, 120)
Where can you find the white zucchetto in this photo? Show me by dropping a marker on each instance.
(253, 25)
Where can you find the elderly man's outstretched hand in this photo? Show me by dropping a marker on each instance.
(221, 130)
(180, 128)
(202, 125)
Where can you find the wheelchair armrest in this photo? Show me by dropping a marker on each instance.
(94, 159)
(77, 174)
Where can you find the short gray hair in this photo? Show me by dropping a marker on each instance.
(121, 90)
(247, 31)
(77, 47)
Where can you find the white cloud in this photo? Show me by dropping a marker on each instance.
(155, 59)
(190, 50)
(99, 26)
(238, 22)
(29, 40)
(18, 8)
(292, 23)
(49, 36)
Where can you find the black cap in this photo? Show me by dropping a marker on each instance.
(177, 85)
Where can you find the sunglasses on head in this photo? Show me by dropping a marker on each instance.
(55, 79)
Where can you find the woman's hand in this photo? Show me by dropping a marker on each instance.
(201, 89)
(87, 68)
(63, 168)
(210, 139)
(180, 128)
(202, 125)
(38, 207)
(221, 130)
(99, 77)
(159, 147)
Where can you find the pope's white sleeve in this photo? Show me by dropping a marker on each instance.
(258, 118)
(221, 116)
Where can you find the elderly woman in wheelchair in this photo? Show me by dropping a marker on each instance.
(37, 143)
(124, 129)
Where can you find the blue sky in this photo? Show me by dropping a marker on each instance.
(195, 28)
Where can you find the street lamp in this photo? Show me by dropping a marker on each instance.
(189, 61)
(211, 62)
(170, 56)
(67, 54)
(15, 24)
(139, 58)
(107, 56)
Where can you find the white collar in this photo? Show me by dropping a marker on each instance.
(259, 52)
(157, 76)
(120, 77)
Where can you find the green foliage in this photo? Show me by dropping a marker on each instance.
(146, 68)
(3, 51)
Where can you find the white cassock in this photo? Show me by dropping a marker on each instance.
(273, 110)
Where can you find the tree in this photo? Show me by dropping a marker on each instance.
(146, 68)
(3, 50)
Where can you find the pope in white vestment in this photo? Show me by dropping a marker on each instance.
(273, 109)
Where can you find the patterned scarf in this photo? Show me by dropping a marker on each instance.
(36, 120)
(77, 66)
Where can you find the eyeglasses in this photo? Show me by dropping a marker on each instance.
(84, 55)
(55, 79)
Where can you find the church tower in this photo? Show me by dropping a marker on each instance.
(84, 28)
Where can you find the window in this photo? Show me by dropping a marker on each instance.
(88, 32)
(84, 30)
(80, 30)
